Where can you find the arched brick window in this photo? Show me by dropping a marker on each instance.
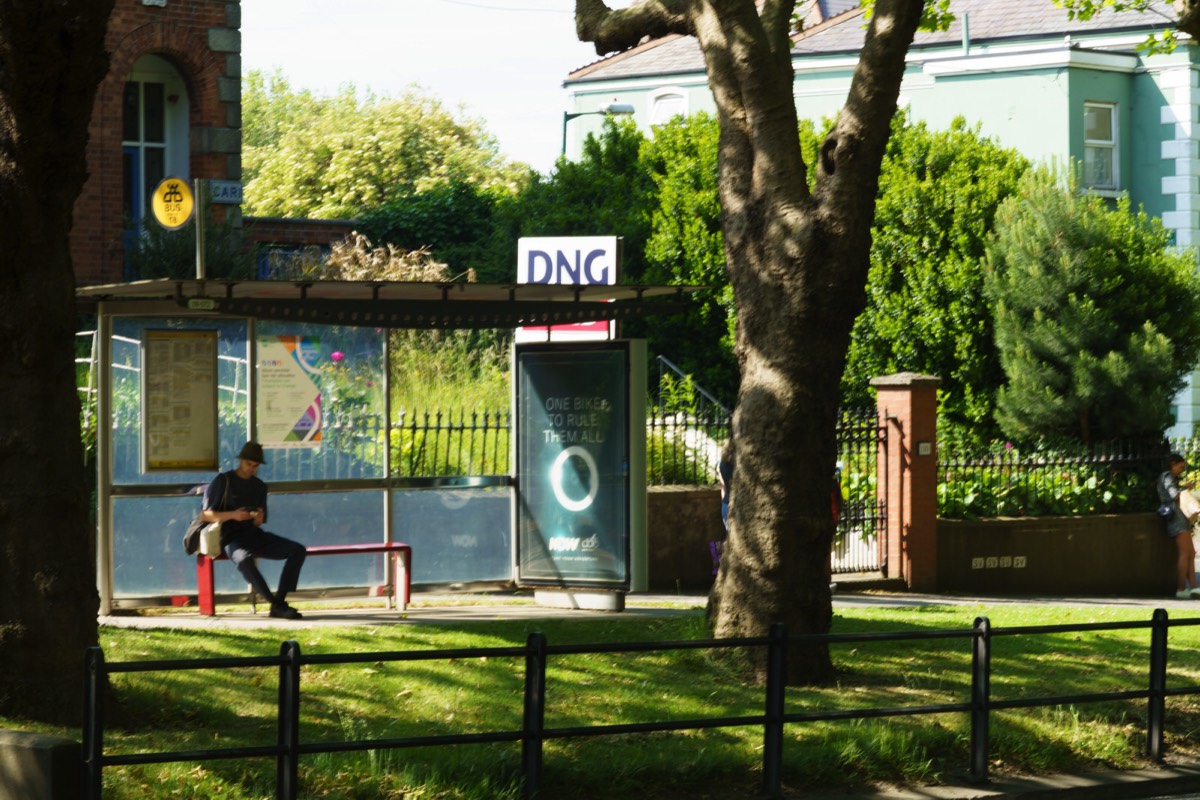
(154, 134)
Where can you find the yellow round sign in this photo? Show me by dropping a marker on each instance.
(172, 203)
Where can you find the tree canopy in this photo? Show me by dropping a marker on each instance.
(605, 192)
(686, 246)
(1097, 319)
(938, 195)
(336, 157)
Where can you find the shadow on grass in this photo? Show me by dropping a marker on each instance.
(392, 699)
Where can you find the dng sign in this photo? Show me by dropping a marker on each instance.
(573, 261)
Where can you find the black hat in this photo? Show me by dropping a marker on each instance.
(252, 451)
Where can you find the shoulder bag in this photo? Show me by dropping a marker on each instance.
(205, 537)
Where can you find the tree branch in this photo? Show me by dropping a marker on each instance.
(855, 147)
(777, 22)
(615, 30)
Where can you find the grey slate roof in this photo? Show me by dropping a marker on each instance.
(987, 21)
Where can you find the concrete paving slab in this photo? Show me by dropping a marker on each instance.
(449, 607)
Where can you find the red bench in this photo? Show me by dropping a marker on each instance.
(401, 561)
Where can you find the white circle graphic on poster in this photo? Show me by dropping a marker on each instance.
(556, 479)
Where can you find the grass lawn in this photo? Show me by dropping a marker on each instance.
(184, 710)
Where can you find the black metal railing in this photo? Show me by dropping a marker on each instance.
(534, 732)
(1104, 478)
(861, 435)
(440, 444)
(685, 448)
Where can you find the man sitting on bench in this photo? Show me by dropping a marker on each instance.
(238, 500)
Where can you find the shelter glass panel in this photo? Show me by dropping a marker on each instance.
(149, 562)
(457, 535)
(316, 518)
(129, 334)
(148, 557)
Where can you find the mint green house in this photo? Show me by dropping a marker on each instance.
(1052, 88)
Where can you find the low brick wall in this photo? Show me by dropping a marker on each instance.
(1118, 554)
(680, 522)
(1103, 555)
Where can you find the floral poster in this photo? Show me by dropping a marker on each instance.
(289, 400)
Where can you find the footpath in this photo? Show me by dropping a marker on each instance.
(1174, 779)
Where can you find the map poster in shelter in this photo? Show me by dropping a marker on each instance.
(289, 400)
(179, 400)
(572, 452)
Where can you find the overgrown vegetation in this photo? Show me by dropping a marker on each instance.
(162, 253)
(193, 710)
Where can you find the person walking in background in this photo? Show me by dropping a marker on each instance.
(725, 476)
(238, 500)
(1179, 524)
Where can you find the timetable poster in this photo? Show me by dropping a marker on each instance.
(179, 400)
(289, 399)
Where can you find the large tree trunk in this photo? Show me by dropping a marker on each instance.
(51, 61)
(798, 261)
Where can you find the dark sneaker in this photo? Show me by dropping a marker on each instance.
(284, 611)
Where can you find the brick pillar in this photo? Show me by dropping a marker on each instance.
(907, 480)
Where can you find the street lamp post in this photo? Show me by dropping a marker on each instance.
(608, 110)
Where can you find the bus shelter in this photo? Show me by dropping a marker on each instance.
(185, 371)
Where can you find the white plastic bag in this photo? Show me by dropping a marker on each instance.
(210, 539)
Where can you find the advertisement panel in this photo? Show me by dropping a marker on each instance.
(572, 465)
(289, 400)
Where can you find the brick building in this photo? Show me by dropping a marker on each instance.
(169, 107)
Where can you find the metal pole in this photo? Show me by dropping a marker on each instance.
(93, 722)
(105, 537)
(1157, 711)
(198, 211)
(287, 761)
(567, 117)
(981, 664)
(773, 724)
(535, 714)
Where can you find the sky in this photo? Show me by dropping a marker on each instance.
(503, 60)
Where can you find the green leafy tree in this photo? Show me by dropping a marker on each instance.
(469, 226)
(686, 247)
(337, 157)
(938, 195)
(1097, 319)
(797, 255)
(454, 221)
(604, 193)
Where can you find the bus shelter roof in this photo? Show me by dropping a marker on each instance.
(395, 304)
